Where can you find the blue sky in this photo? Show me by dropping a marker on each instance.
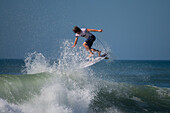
(133, 29)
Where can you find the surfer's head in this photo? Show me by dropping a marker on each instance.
(77, 30)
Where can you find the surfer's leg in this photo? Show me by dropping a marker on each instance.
(94, 50)
(87, 47)
(99, 52)
(90, 43)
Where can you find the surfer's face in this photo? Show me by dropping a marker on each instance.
(79, 32)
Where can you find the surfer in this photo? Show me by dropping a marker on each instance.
(90, 38)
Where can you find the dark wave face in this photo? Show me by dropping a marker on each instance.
(131, 99)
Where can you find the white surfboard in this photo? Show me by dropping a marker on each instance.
(94, 61)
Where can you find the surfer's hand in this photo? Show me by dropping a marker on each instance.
(73, 46)
(101, 30)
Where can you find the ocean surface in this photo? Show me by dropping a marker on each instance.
(40, 85)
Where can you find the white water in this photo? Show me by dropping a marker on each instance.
(69, 90)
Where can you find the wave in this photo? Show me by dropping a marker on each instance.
(19, 88)
(131, 98)
(61, 86)
(79, 94)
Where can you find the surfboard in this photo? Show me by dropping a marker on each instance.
(94, 61)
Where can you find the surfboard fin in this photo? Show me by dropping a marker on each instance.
(106, 58)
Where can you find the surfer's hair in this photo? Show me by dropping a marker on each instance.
(76, 29)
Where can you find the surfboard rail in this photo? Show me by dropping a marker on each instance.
(94, 61)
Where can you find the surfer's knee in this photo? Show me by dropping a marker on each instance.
(84, 44)
(93, 49)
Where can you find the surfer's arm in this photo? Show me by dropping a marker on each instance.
(75, 42)
(95, 30)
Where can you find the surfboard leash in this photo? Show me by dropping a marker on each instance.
(102, 45)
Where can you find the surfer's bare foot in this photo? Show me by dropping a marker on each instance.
(99, 52)
(90, 55)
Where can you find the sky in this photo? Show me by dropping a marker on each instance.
(132, 29)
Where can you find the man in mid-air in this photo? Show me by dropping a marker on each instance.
(90, 38)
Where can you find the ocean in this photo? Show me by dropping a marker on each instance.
(37, 84)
